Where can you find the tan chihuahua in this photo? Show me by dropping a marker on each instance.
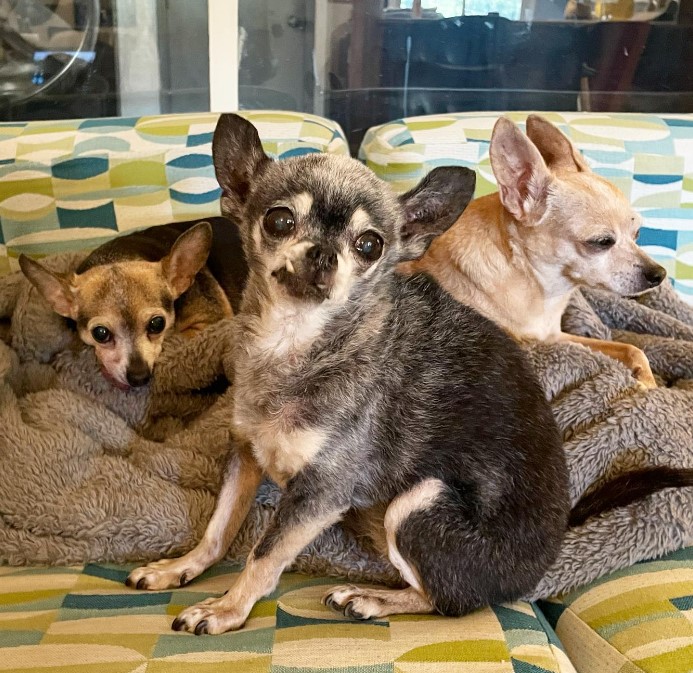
(129, 293)
(518, 254)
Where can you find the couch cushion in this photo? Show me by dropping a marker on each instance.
(85, 620)
(633, 621)
(67, 185)
(649, 157)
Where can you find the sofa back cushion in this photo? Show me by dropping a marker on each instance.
(68, 185)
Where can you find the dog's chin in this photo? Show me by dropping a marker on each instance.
(116, 383)
(298, 288)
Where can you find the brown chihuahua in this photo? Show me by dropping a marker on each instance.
(129, 293)
(518, 254)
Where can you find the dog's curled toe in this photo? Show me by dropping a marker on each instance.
(160, 575)
(353, 602)
(210, 616)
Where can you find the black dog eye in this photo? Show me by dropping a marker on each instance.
(101, 334)
(156, 325)
(369, 246)
(279, 222)
(602, 243)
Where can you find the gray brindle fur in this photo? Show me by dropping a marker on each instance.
(360, 390)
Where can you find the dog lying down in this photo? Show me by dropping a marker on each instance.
(360, 390)
(132, 291)
(518, 254)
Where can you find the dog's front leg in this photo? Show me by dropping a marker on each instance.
(241, 480)
(631, 356)
(304, 511)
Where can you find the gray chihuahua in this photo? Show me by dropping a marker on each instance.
(359, 390)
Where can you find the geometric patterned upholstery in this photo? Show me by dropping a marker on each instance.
(84, 620)
(635, 620)
(67, 185)
(649, 157)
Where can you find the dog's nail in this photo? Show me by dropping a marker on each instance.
(289, 266)
(142, 583)
(178, 624)
(129, 582)
(201, 628)
(183, 580)
(349, 610)
(328, 601)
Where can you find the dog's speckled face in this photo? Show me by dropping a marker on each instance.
(320, 228)
(318, 245)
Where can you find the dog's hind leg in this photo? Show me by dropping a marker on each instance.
(454, 558)
(369, 603)
(241, 482)
(366, 603)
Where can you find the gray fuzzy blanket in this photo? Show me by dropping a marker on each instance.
(92, 473)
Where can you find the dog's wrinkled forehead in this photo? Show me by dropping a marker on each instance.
(329, 193)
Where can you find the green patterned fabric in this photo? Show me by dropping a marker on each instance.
(68, 185)
(638, 620)
(84, 620)
(650, 158)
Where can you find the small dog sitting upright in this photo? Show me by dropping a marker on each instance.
(356, 387)
(518, 254)
(362, 391)
(130, 292)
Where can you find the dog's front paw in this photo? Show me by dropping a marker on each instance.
(640, 366)
(644, 376)
(166, 574)
(353, 602)
(211, 616)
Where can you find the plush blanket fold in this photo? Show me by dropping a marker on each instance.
(92, 473)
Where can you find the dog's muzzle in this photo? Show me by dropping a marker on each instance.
(311, 276)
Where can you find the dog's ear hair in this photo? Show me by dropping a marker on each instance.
(433, 206)
(555, 148)
(238, 159)
(186, 257)
(520, 170)
(55, 289)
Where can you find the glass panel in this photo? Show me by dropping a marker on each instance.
(63, 59)
(365, 62)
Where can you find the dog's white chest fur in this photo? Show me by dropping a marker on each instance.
(284, 330)
(281, 442)
(283, 454)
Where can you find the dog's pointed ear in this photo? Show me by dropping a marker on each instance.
(433, 206)
(555, 148)
(55, 289)
(520, 170)
(187, 257)
(238, 159)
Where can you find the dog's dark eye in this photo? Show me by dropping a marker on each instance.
(279, 222)
(369, 246)
(101, 334)
(602, 243)
(156, 325)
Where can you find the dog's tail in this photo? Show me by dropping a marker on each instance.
(626, 489)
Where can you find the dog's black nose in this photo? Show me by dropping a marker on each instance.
(654, 275)
(323, 259)
(138, 374)
(138, 380)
